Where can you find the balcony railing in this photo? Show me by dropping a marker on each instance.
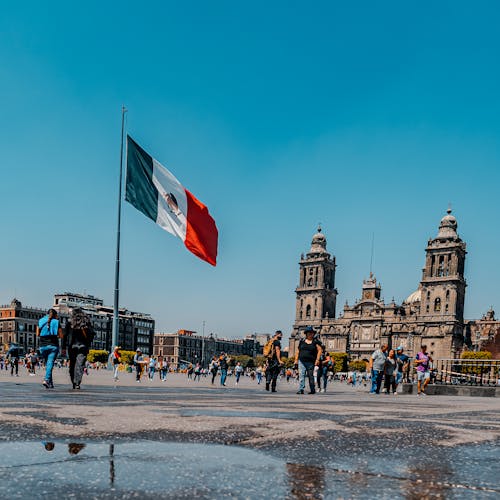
(477, 372)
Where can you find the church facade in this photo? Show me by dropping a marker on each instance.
(432, 315)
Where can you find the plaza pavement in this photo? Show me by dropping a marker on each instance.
(432, 445)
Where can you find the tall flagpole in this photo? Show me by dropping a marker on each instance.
(114, 334)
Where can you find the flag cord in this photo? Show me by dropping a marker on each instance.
(115, 329)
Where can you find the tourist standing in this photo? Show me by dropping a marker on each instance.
(423, 360)
(49, 332)
(197, 372)
(78, 336)
(163, 369)
(139, 364)
(390, 368)
(259, 372)
(274, 362)
(403, 363)
(223, 365)
(376, 367)
(307, 357)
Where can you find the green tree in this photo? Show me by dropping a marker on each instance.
(357, 365)
(476, 355)
(340, 359)
(96, 355)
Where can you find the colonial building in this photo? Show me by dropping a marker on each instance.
(18, 323)
(431, 315)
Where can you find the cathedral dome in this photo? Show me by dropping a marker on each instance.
(318, 243)
(416, 296)
(448, 226)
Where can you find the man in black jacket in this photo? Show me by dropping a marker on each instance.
(77, 339)
(13, 354)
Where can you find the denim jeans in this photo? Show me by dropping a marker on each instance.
(322, 376)
(223, 375)
(163, 374)
(306, 369)
(377, 376)
(49, 354)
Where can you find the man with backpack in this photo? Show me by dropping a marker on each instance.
(14, 353)
(272, 351)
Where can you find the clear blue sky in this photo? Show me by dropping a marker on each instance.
(367, 116)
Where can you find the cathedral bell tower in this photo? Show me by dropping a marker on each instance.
(443, 283)
(316, 293)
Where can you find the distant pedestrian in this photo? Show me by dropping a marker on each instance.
(13, 355)
(139, 364)
(259, 373)
(272, 351)
(376, 367)
(197, 372)
(78, 337)
(307, 358)
(49, 332)
(116, 359)
(423, 360)
(238, 370)
(163, 369)
(152, 368)
(390, 368)
(214, 368)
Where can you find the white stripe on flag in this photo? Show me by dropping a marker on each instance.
(172, 203)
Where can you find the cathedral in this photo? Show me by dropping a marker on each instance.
(432, 315)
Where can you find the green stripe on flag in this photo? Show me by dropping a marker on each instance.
(140, 190)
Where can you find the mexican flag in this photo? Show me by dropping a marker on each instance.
(154, 191)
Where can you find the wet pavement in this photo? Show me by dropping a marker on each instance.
(179, 440)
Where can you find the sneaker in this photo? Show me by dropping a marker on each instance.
(394, 393)
(300, 392)
(46, 384)
(311, 392)
(423, 393)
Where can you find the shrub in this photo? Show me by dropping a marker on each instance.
(127, 357)
(340, 359)
(476, 355)
(96, 355)
(357, 365)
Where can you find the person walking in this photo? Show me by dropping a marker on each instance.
(308, 356)
(238, 370)
(13, 355)
(214, 368)
(197, 372)
(49, 332)
(390, 370)
(274, 362)
(259, 372)
(152, 368)
(423, 360)
(115, 361)
(376, 367)
(77, 339)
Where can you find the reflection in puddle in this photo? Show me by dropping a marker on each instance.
(182, 470)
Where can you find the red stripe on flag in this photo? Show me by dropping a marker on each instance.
(201, 232)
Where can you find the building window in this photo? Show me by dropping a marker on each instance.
(427, 308)
(308, 311)
(437, 305)
(447, 295)
(446, 308)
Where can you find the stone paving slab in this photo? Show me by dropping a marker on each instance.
(341, 443)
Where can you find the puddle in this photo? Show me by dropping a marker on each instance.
(149, 469)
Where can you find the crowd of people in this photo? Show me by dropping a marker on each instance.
(386, 369)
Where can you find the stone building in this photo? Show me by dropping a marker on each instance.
(185, 346)
(431, 315)
(18, 324)
(484, 334)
